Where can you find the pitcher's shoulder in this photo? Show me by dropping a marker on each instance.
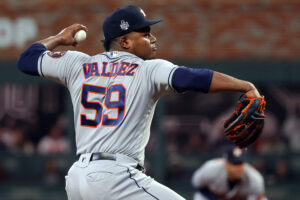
(158, 62)
(77, 54)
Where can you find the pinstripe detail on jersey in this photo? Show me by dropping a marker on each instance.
(130, 176)
(169, 81)
(41, 64)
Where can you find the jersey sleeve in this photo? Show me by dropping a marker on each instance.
(259, 184)
(201, 176)
(159, 74)
(256, 181)
(58, 66)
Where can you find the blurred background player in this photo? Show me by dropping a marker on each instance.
(229, 178)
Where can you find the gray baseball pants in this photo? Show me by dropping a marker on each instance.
(113, 180)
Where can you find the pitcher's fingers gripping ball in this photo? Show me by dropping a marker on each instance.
(80, 36)
(247, 122)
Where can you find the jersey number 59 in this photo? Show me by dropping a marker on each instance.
(109, 103)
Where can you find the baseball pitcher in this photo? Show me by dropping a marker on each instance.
(114, 95)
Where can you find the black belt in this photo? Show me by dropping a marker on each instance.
(103, 156)
(110, 156)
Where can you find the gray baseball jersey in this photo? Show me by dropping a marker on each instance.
(213, 176)
(114, 96)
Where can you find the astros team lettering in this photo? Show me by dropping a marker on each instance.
(118, 69)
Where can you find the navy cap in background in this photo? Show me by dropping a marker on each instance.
(125, 20)
(234, 155)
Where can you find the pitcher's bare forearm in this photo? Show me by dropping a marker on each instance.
(28, 61)
(51, 42)
(223, 82)
(64, 38)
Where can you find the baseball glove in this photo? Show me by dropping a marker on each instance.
(247, 122)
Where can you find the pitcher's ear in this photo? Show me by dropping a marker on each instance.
(125, 42)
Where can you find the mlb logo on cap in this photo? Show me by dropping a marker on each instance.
(124, 25)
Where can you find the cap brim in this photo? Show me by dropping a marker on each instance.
(238, 160)
(149, 23)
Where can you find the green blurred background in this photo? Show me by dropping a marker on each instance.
(254, 40)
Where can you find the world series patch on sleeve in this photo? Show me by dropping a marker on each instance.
(247, 122)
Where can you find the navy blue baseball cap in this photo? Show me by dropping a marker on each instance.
(234, 155)
(125, 20)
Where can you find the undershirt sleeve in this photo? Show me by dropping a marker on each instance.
(190, 79)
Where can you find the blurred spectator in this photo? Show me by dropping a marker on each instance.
(290, 101)
(176, 172)
(34, 131)
(171, 142)
(195, 143)
(8, 132)
(261, 166)
(271, 145)
(21, 143)
(282, 171)
(216, 139)
(54, 143)
(13, 139)
(279, 172)
(271, 139)
(171, 127)
(291, 128)
(52, 174)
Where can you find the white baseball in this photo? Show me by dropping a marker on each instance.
(80, 36)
